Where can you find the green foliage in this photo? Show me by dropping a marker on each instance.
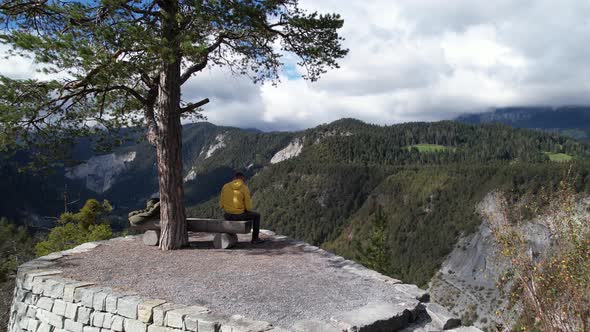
(375, 255)
(113, 54)
(16, 247)
(427, 147)
(559, 157)
(89, 224)
(547, 290)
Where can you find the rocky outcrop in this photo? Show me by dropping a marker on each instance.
(218, 144)
(100, 172)
(466, 282)
(290, 151)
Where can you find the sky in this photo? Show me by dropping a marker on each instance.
(414, 60)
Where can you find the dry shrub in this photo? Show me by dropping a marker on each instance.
(547, 290)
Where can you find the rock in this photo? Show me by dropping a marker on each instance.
(159, 312)
(442, 317)
(151, 238)
(145, 310)
(70, 289)
(45, 303)
(205, 322)
(378, 316)
(132, 325)
(413, 291)
(239, 323)
(307, 325)
(59, 307)
(127, 306)
(73, 326)
(224, 240)
(175, 318)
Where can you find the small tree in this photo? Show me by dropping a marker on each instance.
(548, 291)
(375, 255)
(123, 62)
(89, 224)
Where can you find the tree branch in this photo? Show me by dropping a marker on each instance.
(192, 107)
(193, 69)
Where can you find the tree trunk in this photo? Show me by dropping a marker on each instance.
(174, 233)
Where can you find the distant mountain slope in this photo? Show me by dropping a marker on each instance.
(572, 121)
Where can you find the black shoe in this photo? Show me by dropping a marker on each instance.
(257, 241)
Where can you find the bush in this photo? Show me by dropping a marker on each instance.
(547, 291)
(89, 224)
(15, 248)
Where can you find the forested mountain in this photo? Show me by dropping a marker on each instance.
(572, 121)
(324, 184)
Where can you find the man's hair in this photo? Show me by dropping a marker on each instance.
(238, 175)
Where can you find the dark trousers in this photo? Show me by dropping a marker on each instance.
(248, 215)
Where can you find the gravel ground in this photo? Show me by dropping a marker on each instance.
(276, 281)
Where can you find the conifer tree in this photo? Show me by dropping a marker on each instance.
(117, 63)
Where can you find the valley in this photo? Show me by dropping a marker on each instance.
(326, 184)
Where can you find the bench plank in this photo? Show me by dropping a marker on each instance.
(219, 226)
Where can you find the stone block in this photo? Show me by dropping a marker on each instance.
(151, 238)
(224, 240)
(97, 318)
(33, 325)
(108, 320)
(45, 303)
(205, 322)
(159, 312)
(153, 328)
(91, 329)
(44, 327)
(441, 317)
(73, 326)
(127, 306)
(100, 299)
(117, 323)
(145, 310)
(59, 307)
(132, 325)
(175, 318)
(23, 323)
(20, 294)
(50, 318)
(239, 323)
(87, 295)
(84, 315)
(31, 298)
(113, 298)
(308, 325)
(54, 287)
(29, 276)
(71, 310)
(70, 289)
(31, 312)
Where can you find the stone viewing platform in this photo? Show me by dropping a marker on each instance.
(280, 285)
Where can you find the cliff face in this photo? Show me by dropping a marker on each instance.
(466, 282)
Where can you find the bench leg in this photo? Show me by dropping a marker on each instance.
(151, 238)
(224, 240)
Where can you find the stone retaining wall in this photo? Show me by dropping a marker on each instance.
(44, 301)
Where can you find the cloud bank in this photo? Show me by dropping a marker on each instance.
(415, 60)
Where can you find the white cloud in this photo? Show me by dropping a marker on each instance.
(415, 60)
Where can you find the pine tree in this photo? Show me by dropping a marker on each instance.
(123, 62)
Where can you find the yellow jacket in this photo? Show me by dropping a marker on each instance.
(235, 197)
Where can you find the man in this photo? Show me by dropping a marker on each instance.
(235, 202)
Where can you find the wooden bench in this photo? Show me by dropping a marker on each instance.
(225, 231)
